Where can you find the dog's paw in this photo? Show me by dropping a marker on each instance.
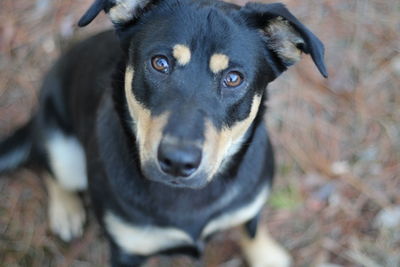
(264, 251)
(66, 215)
(273, 257)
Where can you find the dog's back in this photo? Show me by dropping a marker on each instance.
(72, 89)
(70, 93)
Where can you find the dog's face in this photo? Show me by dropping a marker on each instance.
(193, 88)
(194, 82)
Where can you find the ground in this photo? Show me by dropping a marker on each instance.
(337, 141)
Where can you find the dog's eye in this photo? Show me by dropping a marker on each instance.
(233, 79)
(160, 63)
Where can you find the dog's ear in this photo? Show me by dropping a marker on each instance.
(284, 34)
(119, 11)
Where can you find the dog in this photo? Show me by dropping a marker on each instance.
(161, 121)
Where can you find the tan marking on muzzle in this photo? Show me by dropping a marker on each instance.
(219, 62)
(182, 54)
(148, 129)
(221, 145)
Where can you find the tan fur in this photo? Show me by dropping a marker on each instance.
(219, 62)
(123, 10)
(148, 128)
(283, 39)
(144, 240)
(182, 54)
(263, 250)
(237, 217)
(219, 145)
(66, 212)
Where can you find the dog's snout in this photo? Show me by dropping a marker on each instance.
(180, 160)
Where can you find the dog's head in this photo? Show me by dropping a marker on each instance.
(195, 77)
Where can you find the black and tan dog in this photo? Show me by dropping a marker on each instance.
(163, 124)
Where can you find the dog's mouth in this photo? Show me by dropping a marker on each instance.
(153, 172)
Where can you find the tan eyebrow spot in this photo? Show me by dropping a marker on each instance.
(218, 62)
(182, 54)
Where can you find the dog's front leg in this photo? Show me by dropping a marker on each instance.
(66, 212)
(260, 249)
(120, 258)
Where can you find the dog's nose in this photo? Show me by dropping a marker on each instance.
(177, 159)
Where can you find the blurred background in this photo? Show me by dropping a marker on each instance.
(336, 200)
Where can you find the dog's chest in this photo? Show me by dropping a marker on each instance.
(149, 239)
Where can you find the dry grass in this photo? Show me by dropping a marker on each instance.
(337, 140)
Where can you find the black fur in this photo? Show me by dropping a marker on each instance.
(16, 149)
(83, 96)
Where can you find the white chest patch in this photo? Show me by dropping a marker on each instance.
(67, 161)
(144, 240)
(237, 217)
